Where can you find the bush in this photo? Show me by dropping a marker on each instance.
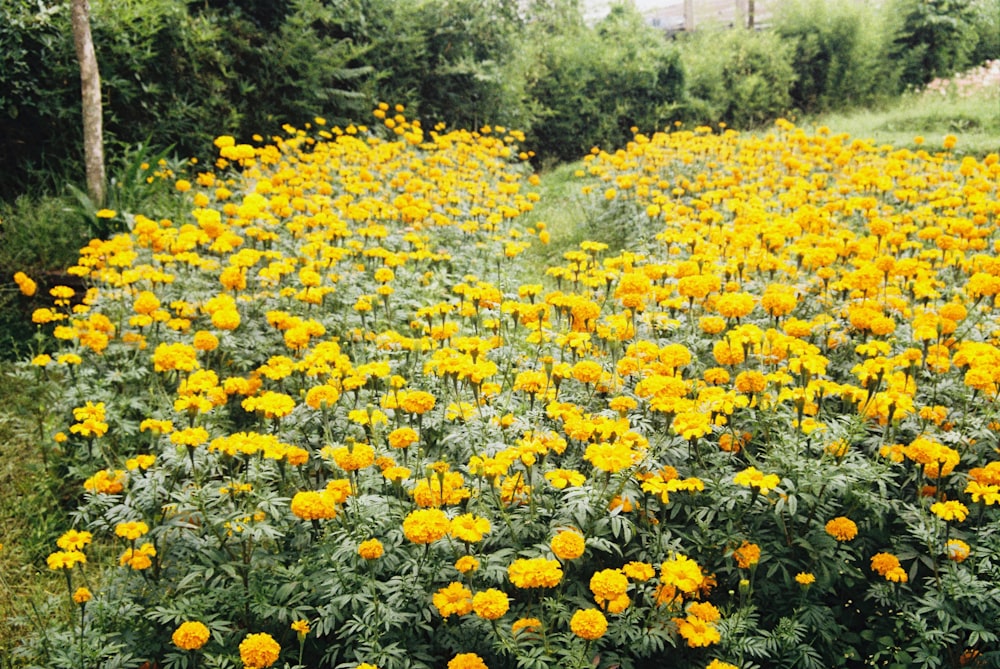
(741, 77)
(840, 53)
(986, 23)
(932, 38)
(596, 84)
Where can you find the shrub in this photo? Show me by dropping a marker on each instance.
(596, 84)
(933, 38)
(741, 77)
(840, 53)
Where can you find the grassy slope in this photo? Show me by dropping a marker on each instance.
(975, 120)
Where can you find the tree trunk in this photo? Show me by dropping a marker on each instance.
(90, 89)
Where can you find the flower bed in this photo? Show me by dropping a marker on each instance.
(331, 424)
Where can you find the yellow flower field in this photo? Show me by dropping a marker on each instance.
(329, 419)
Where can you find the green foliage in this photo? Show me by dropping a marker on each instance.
(986, 23)
(932, 38)
(741, 77)
(840, 53)
(596, 84)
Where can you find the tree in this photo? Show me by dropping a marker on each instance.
(90, 91)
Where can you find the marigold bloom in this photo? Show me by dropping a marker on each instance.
(639, 571)
(425, 526)
(589, 624)
(752, 478)
(841, 528)
(950, 510)
(358, 456)
(887, 564)
(371, 549)
(563, 478)
(466, 564)
(469, 527)
(697, 632)
(608, 585)
(74, 540)
(747, 555)
(65, 559)
(138, 558)
(805, 578)
(191, 635)
(957, 550)
(82, 595)
(131, 530)
(453, 599)
(490, 604)
(259, 650)
(535, 573)
(467, 661)
(681, 572)
(312, 505)
(568, 545)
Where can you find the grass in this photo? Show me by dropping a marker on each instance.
(30, 515)
(975, 120)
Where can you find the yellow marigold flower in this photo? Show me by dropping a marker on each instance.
(106, 213)
(74, 540)
(697, 632)
(752, 478)
(805, 578)
(352, 458)
(425, 526)
(608, 585)
(300, 627)
(138, 558)
(65, 559)
(259, 650)
(681, 572)
(639, 571)
(950, 510)
(371, 549)
(469, 527)
(490, 604)
(313, 505)
(402, 437)
(190, 635)
(588, 624)
(467, 661)
(957, 550)
(887, 564)
(82, 595)
(535, 573)
(747, 555)
(610, 457)
(568, 545)
(562, 478)
(841, 528)
(205, 341)
(25, 284)
(466, 564)
(704, 611)
(525, 625)
(131, 530)
(453, 599)
(719, 664)
(106, 482)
